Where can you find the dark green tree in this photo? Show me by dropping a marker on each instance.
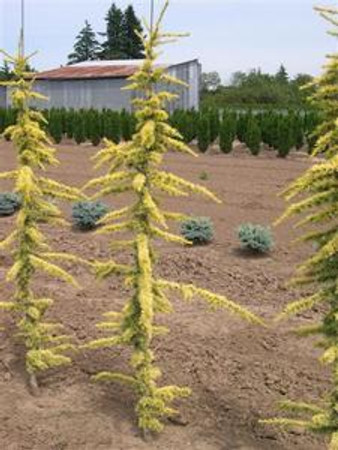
(132, 42)
(79, 127)
(70, 123)
(270, 129)
(190, 126)
(299, 83)
(203, 132)
(183, 121)
(64, 117)
(113, 46)
(275, 130)
(126, 125)
(214, 124)
(311, 121)
(2, 120)
(227, 133)
(266, 127)
(55, 125)
(298, 131)
(282, 75)
(86, 46)
(253, 136)
(94, 134)
(6, 72)
(285, 138)
(242, 123)
(112, 126)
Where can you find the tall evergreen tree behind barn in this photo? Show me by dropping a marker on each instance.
(86, 46)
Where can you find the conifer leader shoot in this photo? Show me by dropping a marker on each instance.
(135, 167)
(32, 254)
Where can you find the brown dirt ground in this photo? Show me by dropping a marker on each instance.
(237, 371)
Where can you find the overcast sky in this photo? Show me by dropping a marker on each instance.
(226, 35)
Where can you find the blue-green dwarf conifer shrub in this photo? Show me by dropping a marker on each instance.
(87, 214)
(198, 230)
(256, 238)
(9, 203)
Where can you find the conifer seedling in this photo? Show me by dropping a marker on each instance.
(317, 194)
(28, 244)
(135, 167)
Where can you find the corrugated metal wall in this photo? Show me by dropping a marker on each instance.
(3, 97)
(190, 73)
(106, 93)
(77, 94)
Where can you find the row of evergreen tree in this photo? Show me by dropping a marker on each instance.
(281, 131)
(82, 125)
(120, 39)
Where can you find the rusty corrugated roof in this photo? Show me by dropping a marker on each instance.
(87, 72)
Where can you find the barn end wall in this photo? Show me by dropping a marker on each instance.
(3, 97)
(190, 73)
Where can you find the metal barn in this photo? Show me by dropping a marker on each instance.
(97, 84)
(3, 97)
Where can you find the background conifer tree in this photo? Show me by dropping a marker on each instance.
(214, 124)
(55, 125)
(203, 132)
(268, 128)
(112, 126)
(70, 123)
(132, 45)
(94, 127)
(79, 132)
(317, 193)
(86, 47)
(134, 167)
(298, 131)
(253, 136)
(32, 254)
(6, 72)
(2, 120)
(242, 124)
(285, 136)
(227, 132)
(282, 75)
(126, 125)
(114, 45)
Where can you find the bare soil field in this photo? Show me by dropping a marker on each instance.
(238, 372)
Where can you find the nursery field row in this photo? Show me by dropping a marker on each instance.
(280, 130)
(237, 372)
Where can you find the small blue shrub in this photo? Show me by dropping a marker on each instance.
(256, 238)
(87, 214)
(198, 230)
(9, 203)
